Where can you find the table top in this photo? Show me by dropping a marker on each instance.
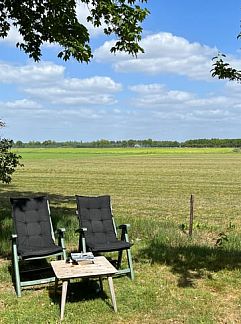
(101, 266)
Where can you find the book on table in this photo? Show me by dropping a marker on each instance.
(80, 257)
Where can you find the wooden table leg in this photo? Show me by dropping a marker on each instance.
(63, 298)
(112, 292)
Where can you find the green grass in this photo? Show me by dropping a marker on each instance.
(43, 153)
(178, 280)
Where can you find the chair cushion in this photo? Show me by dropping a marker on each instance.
(95, 215)
(33, 227)
(45, 251)
(114, 246)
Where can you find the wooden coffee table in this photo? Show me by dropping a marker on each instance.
(66, 271)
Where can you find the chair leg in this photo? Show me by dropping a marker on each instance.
(83, 244)
(16, 271)
(62, 244)
(119, 259)
(129, 259)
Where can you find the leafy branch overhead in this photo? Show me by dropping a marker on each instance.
(55, 21)
(223, 70)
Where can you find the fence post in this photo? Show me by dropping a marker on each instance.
(191, 215)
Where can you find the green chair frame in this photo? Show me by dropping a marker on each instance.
(17, 259)
(123, 237)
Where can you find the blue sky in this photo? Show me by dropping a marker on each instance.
(167, 93)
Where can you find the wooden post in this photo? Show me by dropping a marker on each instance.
(191, 215)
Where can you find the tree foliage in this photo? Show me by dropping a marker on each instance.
(202, 142)
(8, 160)
(223, 70)
(55, 21)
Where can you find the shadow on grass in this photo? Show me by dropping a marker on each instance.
(79, 291)
(61, 215)
(191, 262)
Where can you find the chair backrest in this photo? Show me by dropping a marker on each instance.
(32, 223)
(95, 214)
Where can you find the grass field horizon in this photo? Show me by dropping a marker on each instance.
(177, 278)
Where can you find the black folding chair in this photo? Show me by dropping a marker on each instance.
(33, 239)
(98, 231)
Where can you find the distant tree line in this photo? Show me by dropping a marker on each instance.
(214, 142)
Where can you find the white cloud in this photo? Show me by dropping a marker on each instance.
(102, 54)
(157, 100)
(83, 11)
(233, 88)
(73, 92)
(13, 37)
(98, 82)
(91, 99)
(164, 53)
(156, 95)
(21, 104)
(213, 101)
(46, 82)
(43, 72)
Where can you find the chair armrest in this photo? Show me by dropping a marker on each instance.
(124, 232)
(82, 242)
(81, 230)
(14, 239)
(16, 257)
(60, 231)
(124, 226)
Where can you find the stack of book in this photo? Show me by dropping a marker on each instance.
(83, 257)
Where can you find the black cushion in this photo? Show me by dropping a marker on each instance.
(33, 227)
(110, 246)
(95, 214)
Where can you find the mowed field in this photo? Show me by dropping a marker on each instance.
(178, 279)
